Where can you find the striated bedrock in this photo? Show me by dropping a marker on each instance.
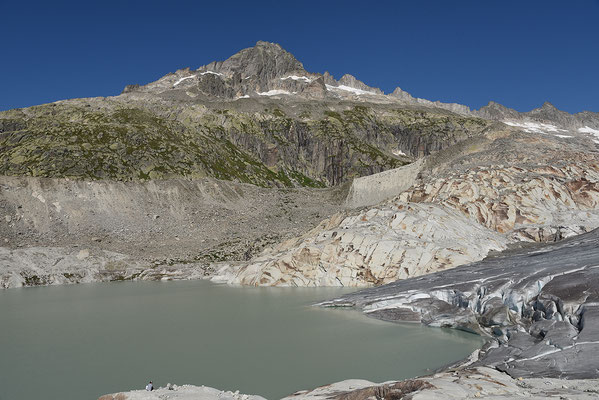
(395, 240)
(529, 203)
(478, 382)
(539, 305)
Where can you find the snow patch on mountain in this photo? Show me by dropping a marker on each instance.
(297, 78)
(211, 72)
(274, 92)
(182, 79)
(535, 127)
(349, 89)
(594, 132)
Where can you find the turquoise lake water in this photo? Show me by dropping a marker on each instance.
(82, 341)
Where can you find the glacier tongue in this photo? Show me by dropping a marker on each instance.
(542, 305)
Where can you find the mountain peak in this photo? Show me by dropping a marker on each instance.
(262, 43)
(263, 62)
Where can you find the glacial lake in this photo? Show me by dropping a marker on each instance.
(83, 341)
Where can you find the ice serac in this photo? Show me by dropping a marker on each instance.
(539, 305)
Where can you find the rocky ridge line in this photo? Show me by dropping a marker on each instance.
(267, 70)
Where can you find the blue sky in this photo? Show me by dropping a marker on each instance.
(518, 53)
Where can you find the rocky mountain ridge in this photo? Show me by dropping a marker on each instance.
(268, 70)
(258, 117)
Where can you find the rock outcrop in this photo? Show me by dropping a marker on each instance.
(543, 203)
(392, 241)
(183, 392)
(480, 382)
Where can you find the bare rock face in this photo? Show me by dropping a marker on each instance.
(497, 111)
(392, 241)
(351, 81)
(545, 203)
(265, 61)
(267, 70)
(401, 94)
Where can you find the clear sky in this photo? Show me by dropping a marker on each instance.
(518, 53)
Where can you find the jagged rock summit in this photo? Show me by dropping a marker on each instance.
(263, 70)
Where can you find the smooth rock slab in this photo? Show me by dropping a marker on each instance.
(478, 382)
(184, 392)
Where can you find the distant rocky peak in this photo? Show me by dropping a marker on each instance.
(350, 81)
(498, 111)
(401, 94)
(329, 79)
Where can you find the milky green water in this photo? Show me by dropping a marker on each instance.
(82, 341)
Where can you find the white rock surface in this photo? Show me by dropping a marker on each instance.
(395, 240)
(472, 383)
(184, 392)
